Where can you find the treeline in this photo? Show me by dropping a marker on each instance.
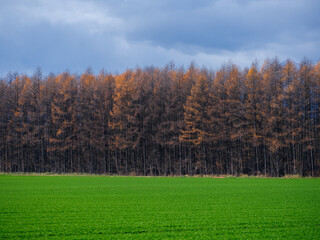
(167, 121)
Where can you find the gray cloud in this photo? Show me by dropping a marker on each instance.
(120, 34)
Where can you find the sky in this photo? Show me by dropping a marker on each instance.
(116, 35)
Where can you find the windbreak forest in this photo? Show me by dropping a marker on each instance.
(164, 121)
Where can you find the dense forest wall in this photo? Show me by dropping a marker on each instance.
(166, 121)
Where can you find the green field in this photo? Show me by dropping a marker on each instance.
(96, 207)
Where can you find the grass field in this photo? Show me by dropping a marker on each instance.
(95, 207)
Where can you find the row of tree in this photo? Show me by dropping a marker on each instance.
(164, 121)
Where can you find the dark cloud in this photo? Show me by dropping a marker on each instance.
(231, 25)
(117, 34)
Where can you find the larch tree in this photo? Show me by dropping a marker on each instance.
(253, 116)
(197, 120)
(103, 97)
(274, 112)
(122, 117)
(218, 114)
(25, 129)
(15, 126)
(4, 90)
(160, 122)
(86, 120)
(307, 111)
(317, 114)
(64, 116)
(291, 121)
(168, 100)
(143, 123)
(235, 117)
(37, 120)
(164, 121)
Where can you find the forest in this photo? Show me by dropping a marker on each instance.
(164, 121)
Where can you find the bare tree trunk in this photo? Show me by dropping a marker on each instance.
(126, 161)
(265, 159)
(256, 157)
(180, 158)
(311, 159)
(231, 158)
(205, 159)
(116, 161)
(144, 160)
(294, 158)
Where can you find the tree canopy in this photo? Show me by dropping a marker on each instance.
(164, 121)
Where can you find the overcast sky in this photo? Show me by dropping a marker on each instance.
(120, 34)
